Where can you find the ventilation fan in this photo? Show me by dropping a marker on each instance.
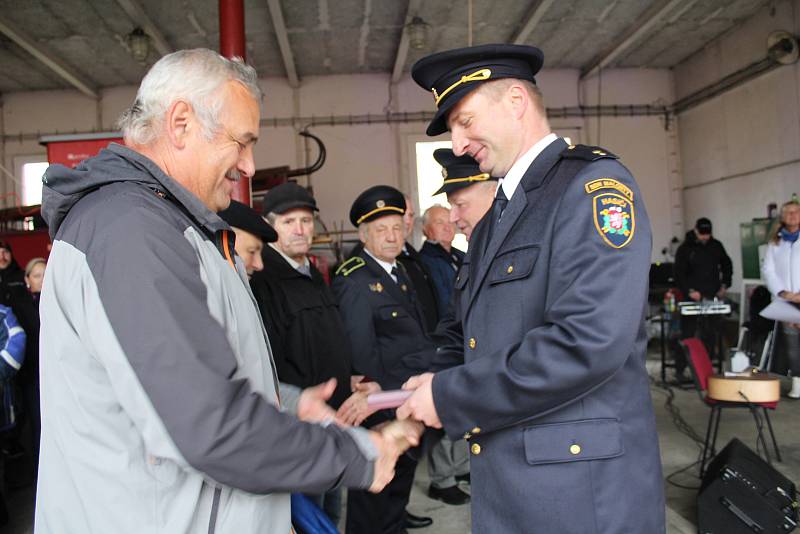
(782, 47)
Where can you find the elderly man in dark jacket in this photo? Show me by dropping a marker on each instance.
(384, 320)
(438, 254)
(299, 310)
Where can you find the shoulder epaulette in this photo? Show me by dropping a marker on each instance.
(350, 265)
(586, 152)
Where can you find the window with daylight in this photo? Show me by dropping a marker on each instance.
(31, 173)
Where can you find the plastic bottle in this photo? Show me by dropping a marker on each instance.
(668, 303)
(794, 197)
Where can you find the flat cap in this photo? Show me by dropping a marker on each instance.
(246, 218)
(458, 171)
(376, 202)
(452, 74)
(285, 197)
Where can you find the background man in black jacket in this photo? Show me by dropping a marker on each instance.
(299, 311)
(703, 270)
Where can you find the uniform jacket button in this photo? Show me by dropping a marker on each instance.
(472, 342)
(476, 449)
(510, 269)
(575, 448)
(394, 314)
(476, 430)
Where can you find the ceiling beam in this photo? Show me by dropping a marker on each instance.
(644, 24)
(48, 58)
(535, 15)
(283, 41)
(137, 14)
(402, 47)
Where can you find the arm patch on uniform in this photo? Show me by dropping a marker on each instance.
(350, 265)
(614, 213)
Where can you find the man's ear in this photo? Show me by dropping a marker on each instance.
(518, 99)
(179, 123)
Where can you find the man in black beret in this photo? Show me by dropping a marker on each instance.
(384, 322)
(251, 234)
(547, 341)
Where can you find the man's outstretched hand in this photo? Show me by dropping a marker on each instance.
(420, 405)
(312, 406)
(392, 439)
(355, 409)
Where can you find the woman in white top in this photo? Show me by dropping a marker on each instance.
(781, 270)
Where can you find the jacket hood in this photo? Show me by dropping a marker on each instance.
(63, 187)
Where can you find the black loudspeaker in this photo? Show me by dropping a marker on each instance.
(741, 493)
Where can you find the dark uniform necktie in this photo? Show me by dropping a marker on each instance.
(498, 206)
(402, 281)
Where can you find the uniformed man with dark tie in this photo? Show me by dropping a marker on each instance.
(384, 323)
(553, 394)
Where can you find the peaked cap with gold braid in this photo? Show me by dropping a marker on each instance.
(458, 171)
(451, 74)
(377, 201)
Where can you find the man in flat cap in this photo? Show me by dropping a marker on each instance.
(385, 326)
(553, 395)
(300, 312)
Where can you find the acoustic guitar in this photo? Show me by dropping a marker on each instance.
(752, 387)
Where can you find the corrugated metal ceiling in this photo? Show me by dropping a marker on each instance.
(352, 36)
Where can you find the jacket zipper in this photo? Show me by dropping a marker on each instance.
(212, 522)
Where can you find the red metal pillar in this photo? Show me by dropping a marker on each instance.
(232, 43)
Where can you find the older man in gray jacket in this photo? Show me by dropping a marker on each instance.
(161, 408)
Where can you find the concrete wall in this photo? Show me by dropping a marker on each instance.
(363, 155)
(740, 150)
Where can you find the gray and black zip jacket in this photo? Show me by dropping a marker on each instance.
(160, 403)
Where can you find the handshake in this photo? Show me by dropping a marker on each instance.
(391, 438)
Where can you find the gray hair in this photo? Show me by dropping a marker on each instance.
(426, 217)
(271, 217)
(193, 76)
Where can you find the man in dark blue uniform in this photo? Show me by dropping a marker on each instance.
(552, 393)
(385, 325)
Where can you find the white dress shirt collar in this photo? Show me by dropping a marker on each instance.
(295, 265)
(386, 265)
(514, 176)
